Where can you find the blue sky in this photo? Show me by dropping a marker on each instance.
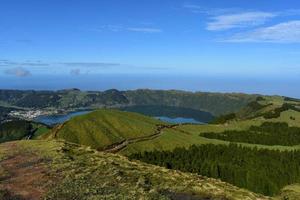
(229, 38)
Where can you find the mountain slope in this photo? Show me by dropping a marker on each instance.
(67, 171)
(266, 108)
(214, 103)
(102, 128)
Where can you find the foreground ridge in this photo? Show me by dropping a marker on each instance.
(59, 170)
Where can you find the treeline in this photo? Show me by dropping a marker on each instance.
(15, 130)
(268, 133)
(259, 170)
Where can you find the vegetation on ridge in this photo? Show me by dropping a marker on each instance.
(75, 172)
(102, 128)
(258, 170)
(269, 133)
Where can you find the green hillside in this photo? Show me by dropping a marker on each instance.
(20, 129)
(242, 124)
(54, 170)
(259, 170)
(102, 128)
(132, 133)
(266, 126)
(267, 108)
(214, 103)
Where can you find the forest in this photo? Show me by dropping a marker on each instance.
(268, 133)
(259, 170)
(15, 130)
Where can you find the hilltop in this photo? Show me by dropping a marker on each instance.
(103, 128)
(67, 171)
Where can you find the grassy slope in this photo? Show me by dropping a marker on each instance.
(105, 127)
(189, 134)
(74, 172)
(291, 192)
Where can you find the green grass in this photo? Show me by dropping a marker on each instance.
(286, 117)
(41, 130)
(290, 192)
(187, 135)
(105, 127)
(87, 174)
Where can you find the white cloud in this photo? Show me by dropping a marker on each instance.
(18, 71)
(208, 11)
(239, 20)
(287, 32)
(145, 30)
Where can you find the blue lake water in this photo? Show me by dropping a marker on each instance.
(58, 119)
(179, 120)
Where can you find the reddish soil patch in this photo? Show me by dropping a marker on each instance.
(27, 175)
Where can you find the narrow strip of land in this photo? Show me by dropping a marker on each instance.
(115, 148)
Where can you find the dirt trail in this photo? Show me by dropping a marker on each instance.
(25, 175)
(115, 148)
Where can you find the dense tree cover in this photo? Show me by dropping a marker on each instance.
(171, 111)
(260, 170)
(268, 133)
(4, 112)
(20, 129)
(15, 130)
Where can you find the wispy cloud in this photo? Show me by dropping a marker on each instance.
(91, 64)
(75, 72)
(73, 68)
(27, 63)
(287, 32)
(18, 71)
(24, 41)
(112, 28)
(194, 8)
(119, 28)
(239, 20)
(145, 30)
